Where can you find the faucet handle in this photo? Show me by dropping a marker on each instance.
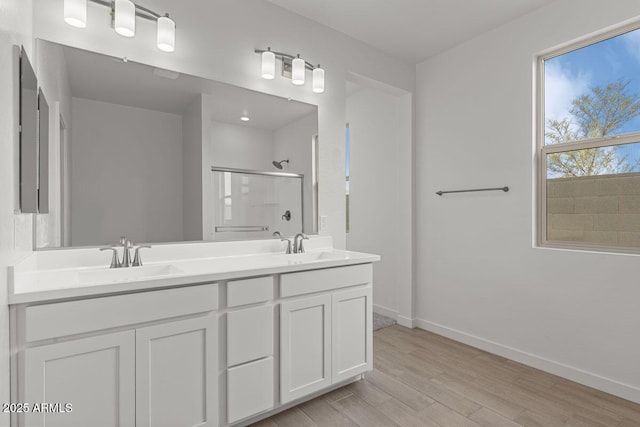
(137, 260)
(300, 245)
(115, 260)
(288, 245)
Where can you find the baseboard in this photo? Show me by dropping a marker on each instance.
(406, 322)
(387, 312)
(402, 320)
(625, 391)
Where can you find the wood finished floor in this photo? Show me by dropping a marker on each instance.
(423, 379)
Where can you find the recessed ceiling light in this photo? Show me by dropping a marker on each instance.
(244, 118)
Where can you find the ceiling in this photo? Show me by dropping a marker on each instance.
(108, 79)
(412, 30)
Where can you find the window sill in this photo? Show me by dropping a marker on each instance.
(585, 247)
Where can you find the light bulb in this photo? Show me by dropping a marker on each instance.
(125, 18)
(166, 34)
(75, 13)
(297, 71)
(318, 79)
(268, 64)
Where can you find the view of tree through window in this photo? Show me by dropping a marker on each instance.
(590, 146)
(594, 92)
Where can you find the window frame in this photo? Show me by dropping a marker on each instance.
(543, 150)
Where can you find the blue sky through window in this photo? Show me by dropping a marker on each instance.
(572, 74)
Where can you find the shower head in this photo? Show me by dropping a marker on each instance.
(279, 164)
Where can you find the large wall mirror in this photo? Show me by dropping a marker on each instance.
(160, 156)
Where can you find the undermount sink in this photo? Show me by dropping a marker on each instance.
(311, 257)
(127, 273)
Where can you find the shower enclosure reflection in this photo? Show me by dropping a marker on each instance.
(138, 149)
(254, 204)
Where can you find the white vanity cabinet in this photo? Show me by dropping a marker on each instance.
(305, 346)
(352, 333)
(124, 360)
(95, 375)
(250, 347)
(175, 374)
(325, 338)
(177, 357)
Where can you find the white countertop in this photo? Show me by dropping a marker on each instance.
(72, 273)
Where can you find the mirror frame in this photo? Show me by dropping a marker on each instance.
(43, 153)
(28, 129)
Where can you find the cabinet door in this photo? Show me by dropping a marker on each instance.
(95, 375)
(176, 371)
(352, 333)
(305, 346)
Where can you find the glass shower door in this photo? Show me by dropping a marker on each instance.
(251, 205)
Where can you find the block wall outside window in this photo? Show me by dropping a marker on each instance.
(601, 209)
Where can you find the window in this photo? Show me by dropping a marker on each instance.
(347, 149)
(589, 144)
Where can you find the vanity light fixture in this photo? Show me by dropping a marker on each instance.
(123, 19)
(293, 67)
(244, 118)
(166, 34)
(298, 71)
(318, 79)
(75, 13)
(268, 64)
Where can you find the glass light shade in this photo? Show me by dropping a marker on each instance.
(318, 80)
(75, 13)
(166, 34)
(125, 18)
(297, 71)
(268, 65)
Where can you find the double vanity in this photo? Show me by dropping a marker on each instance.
(203, 334)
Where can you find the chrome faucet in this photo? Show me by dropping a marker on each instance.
(127, 245)
(277, 235)
(115, 259)
(137, 260)
(298, 248)
(126, 252)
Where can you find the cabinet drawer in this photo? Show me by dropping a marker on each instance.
(249, 291)
(250, 389)
(74, 317)
(307, 282)
(249, 334)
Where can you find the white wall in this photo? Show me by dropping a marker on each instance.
(380, 193)
(217, 40)
(15, 230)
(192, 182)
(242, 147)
(481, 280)
(294, 143)
(138, 195)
